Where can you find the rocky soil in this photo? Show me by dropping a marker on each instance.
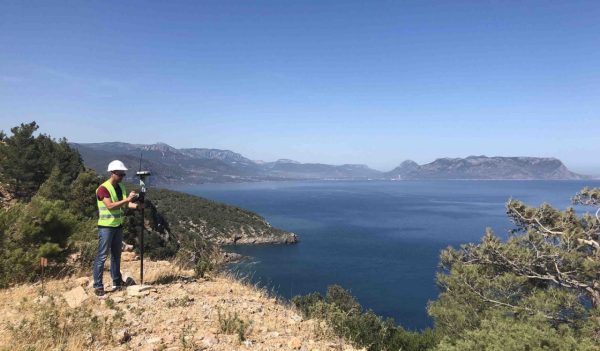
(7, 199)
(175, 311)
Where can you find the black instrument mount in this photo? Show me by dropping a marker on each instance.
(142, 175)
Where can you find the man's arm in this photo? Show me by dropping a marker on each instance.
(112, 205)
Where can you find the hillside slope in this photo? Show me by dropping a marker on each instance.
(179, 214)
(176, 313)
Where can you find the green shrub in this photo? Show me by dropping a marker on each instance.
(307, 303)
(341, 298)
(501, 333)
(40, 228)
(202, 267)
(364, 328)
(231, 323)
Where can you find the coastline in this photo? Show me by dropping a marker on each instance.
(182, 186)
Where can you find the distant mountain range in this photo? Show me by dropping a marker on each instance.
(198, 165)
(482, 167)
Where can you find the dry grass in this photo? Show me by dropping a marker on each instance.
(163, 272)
(48, 324)
(319, 330)
(247, 281)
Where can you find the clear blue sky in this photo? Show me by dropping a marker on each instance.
(373, 82)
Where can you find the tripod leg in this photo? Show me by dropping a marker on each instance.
(142, 250)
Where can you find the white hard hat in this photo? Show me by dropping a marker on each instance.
(116, 165)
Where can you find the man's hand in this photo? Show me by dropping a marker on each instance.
(125, 202)
(131, 196)
(136, 206)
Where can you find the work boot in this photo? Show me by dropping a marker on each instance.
(123, 284)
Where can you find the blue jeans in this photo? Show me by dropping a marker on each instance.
(109, 239)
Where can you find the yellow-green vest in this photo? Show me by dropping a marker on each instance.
(106, 217)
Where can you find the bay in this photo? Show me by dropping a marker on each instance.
(379, 239)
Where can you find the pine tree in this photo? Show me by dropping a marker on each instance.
(82, 200)
(545, 276)
(27, 161)
(56, 187)
(67, 159)
(20, 160)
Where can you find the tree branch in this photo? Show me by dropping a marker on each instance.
(515, 307)
(590, 242)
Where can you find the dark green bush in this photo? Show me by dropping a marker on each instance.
(82, 200)
(342, 298)
(40, 228)
(202, 267)
(306, 303)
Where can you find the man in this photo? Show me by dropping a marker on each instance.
(111, 200)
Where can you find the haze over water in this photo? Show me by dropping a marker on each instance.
(379, 239)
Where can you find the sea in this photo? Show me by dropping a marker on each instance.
(379, 239)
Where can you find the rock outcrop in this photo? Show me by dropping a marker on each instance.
(245, 239)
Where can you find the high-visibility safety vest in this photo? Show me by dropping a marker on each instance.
(114, 217)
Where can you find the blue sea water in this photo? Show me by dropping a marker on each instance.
(380, 239)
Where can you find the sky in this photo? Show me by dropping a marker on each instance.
(370, 82)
